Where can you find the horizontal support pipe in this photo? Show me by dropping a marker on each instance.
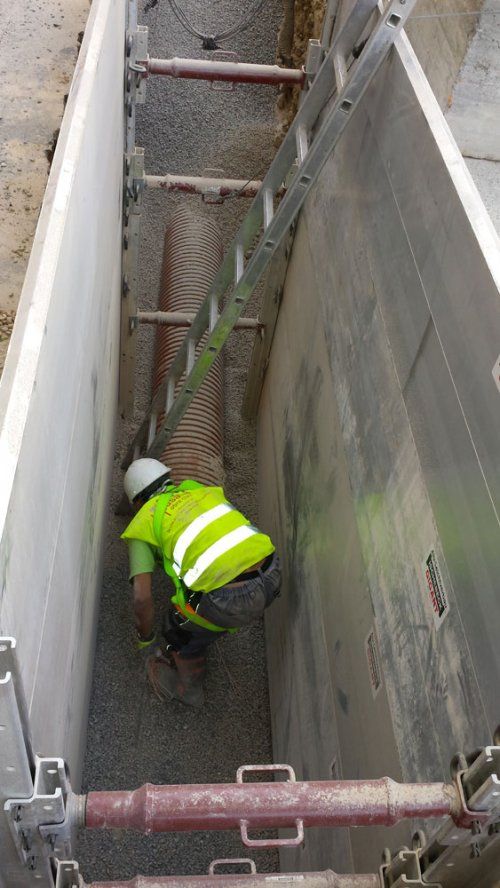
(233, 72)
(326, 879)
(185, 319)
(268, 805)
(204, 185)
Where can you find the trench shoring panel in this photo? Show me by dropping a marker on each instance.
(57, 402)
(378, 462)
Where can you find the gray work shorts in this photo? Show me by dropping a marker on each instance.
(228, 607)
(232, 606)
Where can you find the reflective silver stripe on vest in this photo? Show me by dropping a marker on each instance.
(225, 544)
(190, 533)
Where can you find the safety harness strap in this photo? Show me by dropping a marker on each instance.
(179, 599)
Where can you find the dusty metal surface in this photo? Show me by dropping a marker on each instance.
(327, 879)
(268, 805)
(378, 455)
(185, 319)
(219, 71)
(16, 759)
(208, 186)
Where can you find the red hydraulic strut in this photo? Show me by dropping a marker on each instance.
(276, 805)
(204, 185)
(234, 72)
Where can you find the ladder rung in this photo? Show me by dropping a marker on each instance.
(170, 395)
(213, 311)
(191, 351)
(340, 68)
(152, 428)
(302, 141)
(268, 206)
(327, 120)
(239, 262)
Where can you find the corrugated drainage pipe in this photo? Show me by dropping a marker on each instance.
(192, 254)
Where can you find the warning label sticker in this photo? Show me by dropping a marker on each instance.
(435, 587)
(373, 658)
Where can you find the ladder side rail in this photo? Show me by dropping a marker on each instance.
(313, 104)
(331, 13)
(333, 126)
(249, 228)
(360, 75)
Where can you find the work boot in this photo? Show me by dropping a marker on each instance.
(183, 682)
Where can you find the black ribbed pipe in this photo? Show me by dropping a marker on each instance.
(192, 254)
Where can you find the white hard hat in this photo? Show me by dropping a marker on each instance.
(144, 476)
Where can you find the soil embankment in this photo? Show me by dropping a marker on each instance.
(39, 45)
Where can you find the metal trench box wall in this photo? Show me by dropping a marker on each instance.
(378, 444)
(57, 402)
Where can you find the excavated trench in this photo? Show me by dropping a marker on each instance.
(185, 127)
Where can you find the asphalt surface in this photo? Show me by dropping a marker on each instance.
(184, 127)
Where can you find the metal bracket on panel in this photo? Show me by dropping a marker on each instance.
(133, 191)
(452, 856)
(136, 65)
(42, 825)
(135, 182)
(17, 754)
(314, 58)
(136, 52)
(404, 869)
(33, 791)
(68, 875)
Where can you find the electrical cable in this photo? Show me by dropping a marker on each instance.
(209, 41)
(257, 176)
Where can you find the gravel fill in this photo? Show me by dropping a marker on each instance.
(132, 737)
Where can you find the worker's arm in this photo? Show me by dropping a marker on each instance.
(142, 564)
(143, 606)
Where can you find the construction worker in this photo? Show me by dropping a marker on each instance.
(225, 573)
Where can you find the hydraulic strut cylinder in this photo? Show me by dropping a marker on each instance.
(206, 186)
(268, 805)
(233, 72)
(326, 879)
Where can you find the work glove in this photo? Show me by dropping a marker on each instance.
(142, 644)
(147, 647)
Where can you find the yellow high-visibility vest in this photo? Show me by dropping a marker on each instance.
(204, 540)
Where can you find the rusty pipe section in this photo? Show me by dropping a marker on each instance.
(191, 257)
(205, 185)
(268, 805)
(326, 879)
(233, 72)
(185, 319)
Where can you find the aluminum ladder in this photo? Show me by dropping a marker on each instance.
(348, 67)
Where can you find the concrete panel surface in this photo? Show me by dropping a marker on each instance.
(57, 406)
(379, 459)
